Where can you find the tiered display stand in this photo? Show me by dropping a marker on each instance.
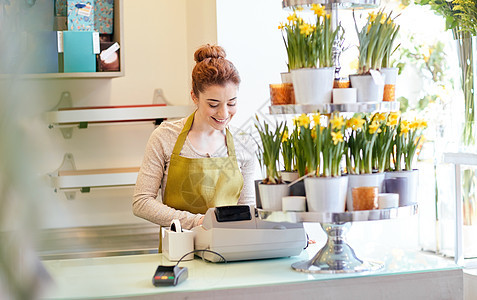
(337, 256)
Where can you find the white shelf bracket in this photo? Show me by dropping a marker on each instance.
(65, 102)
(68, 164)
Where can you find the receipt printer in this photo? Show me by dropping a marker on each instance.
(237, 233)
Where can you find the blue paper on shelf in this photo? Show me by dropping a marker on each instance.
(78, 52)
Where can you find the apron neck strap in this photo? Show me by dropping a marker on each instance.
(185, 131)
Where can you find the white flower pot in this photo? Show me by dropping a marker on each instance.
(344, 96)
(390, 79)
(289, 176)
(390, 75)
(313, 86)
(408, 194)
(294, 203)
(367, 89)
(375, 179)
(286, 77)
(271, 195)
(326, 194)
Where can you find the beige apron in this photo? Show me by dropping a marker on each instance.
(197, 184)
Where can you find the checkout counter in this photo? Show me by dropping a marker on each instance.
(406, 274)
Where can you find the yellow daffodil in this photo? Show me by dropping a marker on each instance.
(422, 123)
(292, 18)
(373, 127)
(337, 137)
(380, 117)
(404, 127)
(383, 19)
(372, 16)
(303, 120)
(414, 124)
(305, 29)
(285, 136)
(299, 8)
(281, 26)
(316, 118)
(393, 118)
(313, 134)
(337, 122)
(355, 123)
(318, 9)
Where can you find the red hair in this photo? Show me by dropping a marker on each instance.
(212, 68)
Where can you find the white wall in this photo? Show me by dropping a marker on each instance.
(159, 40)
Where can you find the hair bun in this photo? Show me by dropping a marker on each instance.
(209, 51)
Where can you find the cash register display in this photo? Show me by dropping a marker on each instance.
(233, 213)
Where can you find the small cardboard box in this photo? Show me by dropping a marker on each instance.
(104, 16)
(81, 15)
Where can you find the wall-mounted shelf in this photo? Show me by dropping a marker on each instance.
(66, 117)
(68, 179)
(330, 107)
(116, 36)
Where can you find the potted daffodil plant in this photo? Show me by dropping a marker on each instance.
(376, 44)
(403, 178)
(272, 188)
(322, 139)
(363, 135)
(309, 46)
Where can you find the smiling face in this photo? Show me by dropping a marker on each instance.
(216, 105)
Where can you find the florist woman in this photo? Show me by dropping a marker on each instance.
(196, 161)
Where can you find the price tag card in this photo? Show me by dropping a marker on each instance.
(377, 77)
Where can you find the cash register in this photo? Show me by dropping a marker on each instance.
(237, 233)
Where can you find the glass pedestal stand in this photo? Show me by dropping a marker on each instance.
(337, 256)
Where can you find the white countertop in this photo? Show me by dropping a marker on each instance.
(128, 276)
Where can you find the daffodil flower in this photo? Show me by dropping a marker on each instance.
(305, 29)
(336, 137)
(404, 127)
(285, 136)
(303, 120)
(355, 123)
(337, 122)
(292, 18)
(318, 9)
(372, 16)
(380, 116)
(316, 119)
(373, 127)
(414, 124)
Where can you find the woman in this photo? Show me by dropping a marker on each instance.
(196, 160)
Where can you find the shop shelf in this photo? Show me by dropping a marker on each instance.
(327, 108)
(68, 179)
(66, 117)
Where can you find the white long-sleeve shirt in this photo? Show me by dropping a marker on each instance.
(154, 169)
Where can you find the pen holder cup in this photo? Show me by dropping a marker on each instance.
(177, 244)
